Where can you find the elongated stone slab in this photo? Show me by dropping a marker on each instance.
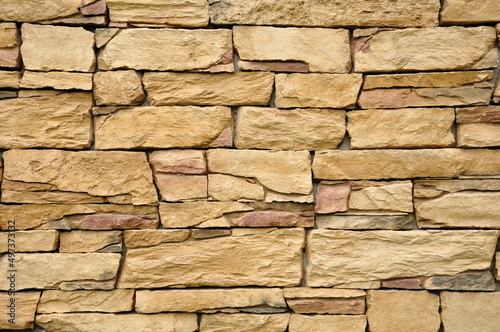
(27, 241)
(35, 11)
(178, 161)
(305, 300)
(57, 301)
(336, 257)
(357, 222)
(150, 237)
(465, 281)
(244, 322)
(272, 256)
(10, 41)
(469, 12)
(326, 323)
(56, 80)
(478, 126)
(90, 241)
(20, 314)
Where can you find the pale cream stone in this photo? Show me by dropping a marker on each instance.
(474, 135)
(244, 323)
(10, 79)
(336, 257)
(50, 47)
(195, 50)
(273, 257)
(24, 311)
(373, 221)
(327, 323)
(231, 188)
(398, 311)
(401, 128)
(228, 89)
(121, 87)
(36, 10)
(295, 129)
(62, 121)
(180, 187)
(464, 281)
(394, 196)
(258, 300)
(57, 301)
(103, 36)
(317, 90)
(56, 80)
(178, 161)
(181, 127)
(470, 11)
(305, 300)
(28, 241)
(149, 238)
(90, 241)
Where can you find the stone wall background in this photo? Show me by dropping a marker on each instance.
(234, 165)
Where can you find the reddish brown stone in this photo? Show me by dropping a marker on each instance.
(116, 221)
(285, 67)
(328, 306)
(209, 233)
(332, 197)
(224, 139)
(179, 161)
(405, 283)
(275, 219)
(96, 8)
(478, 114)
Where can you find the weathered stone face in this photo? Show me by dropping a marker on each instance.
(469, 11)
(325, 323)
(90, 241)
(394, 196)
(29, 241)
(35, 11)
(465, 281)
(56, 80)
(10, 79)
(231, 188)
(178, 161)
(57, 301)
(149, 238)
(121, 87)
(478, 126)
(244, 322)
(24, 312)
(9, 46)
(371, 221)
(305, 300)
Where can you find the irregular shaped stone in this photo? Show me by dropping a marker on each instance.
(478, 126)
(467, 312)
(103, 36)
(10, 79)
(279, 66)
(182, 127)
(465, 281)
(229, 89)
(116, 177)
(469, 11)
(178, 161)
(28, 241)
(439, 49)
(180, 187)
(231, 188)
(149, 238)
(87, 322)
(332, 197)
(305, 300)
(326, 323)
(244, 323)
(90, 241)
(427, 89)
(80, 20)
(394, 196)
(401, 128)
(63, 121)
(341, 221)
(207, 233)
(184, 13)
(405, 164)
(56, 80)
(121, 87)
(295, 129)
(20, 314)
(273, 258)
(406, 13)
(457, 203)
(56, 301)
(336, 257)
(257, 43)
(402, 311)
(32, 270)
(97, 8)
(404, 283)
(35, 10)
(257, 300)
(317, 90)
(10, 42)
(194, 50)
(63, 48)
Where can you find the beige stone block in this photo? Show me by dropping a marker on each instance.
(104, 35)
(257, 300)
(273, 258)
(150, 238)
(116, 177)
(208, 233)
(90, 241)
(121, 87)
(285, 67)
(474, 135)
(9, 35)
(10, 42)
(39, 93)
(10, 79)
(403, 283)
(303, 300)
(228, 89)
(56, 80)
(469, 11)
(326, 323)
(223, 187)
(181, 127)
(244, 323)
(180, 187)
(467, 312)
(479, 114)
(178, 161)
(317, 90)
(28, 241)
(464, 281)
(336, 257)
(63, 121)
(63, 48)
(394, 196)
(401, 128)
(295, 129)
(35, 11)
(188, 50)
(332, 197)
(370, 221)
(57, 301)
(23, 315)
(396, 310)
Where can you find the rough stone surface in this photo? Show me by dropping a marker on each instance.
(115, 177)
(180, 187)
(356, 222)
(63, 48)
(10, 79)
(97, 8)
(278, 66)
(121, 87)
(336, 257)
(478, 126)
(195, 50)
(229, 89)
(256, 300)
(150, 238)
(439, 49)
(305, 300)
(468, 312)
(401, 128)
(327, 323)
(470, 11)
(26, 305)
(394, 196)
(56, 80)
(182, 127)
(273, 258)
(317, 90)
(35, 10)
(223, 187)
(63, 121)
(400, 311)
(465, 281)
(90, 241)
(209, 233)
(56, 301)
(332, 197)
(244, 323)
(29, 241)
(178, 161)
(9, 45)
(404, 283)
(295, 129)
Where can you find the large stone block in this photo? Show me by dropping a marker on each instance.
(27, 241)
(120, 87)
(23, 314)
(478, 126)
(244, 323)
(57, 301)
(305, 300)
(469, 11)
(36, 11)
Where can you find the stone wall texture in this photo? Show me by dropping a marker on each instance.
(249, 165)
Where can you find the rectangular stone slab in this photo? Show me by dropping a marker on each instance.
(461, 12)
(35, 11)
(28, 241)
(244, 322)
(56, 80)
(25, 308)
(305, 300)
(327, 323)
(336, 257)
(57, 301)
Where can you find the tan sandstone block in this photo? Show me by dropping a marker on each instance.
(180, 187)
(401, 128)
(208, 233)
(427, 89)
(56, 80)
(258, 300)
(116, 177)
(317, 90)
(307, 45)
(181, 127)
(57, 301)
(468, 312)
(439, 49)
(295, 129)
(305, 300)
(184, 13)
(34, 10)
(91, 322)
(368, 221)
(394, 196)
(28, 241)
(327, 323)
(478, 126)
(273, 258)
(332, 197)
(121, 87)
(63, 121)
(228, 89)
(24, 311)
(398, 311)
(244, 323)
(178, 161)
(149, 238)
(10, 42)
(469, 11)
(406, 13)
(336, 257)
(10, 79)
(194, 50)
(464, 281)
(63, 48)
(278, 66)
(223, 187)
(90, 241)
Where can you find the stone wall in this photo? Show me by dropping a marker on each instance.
(250, 165)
